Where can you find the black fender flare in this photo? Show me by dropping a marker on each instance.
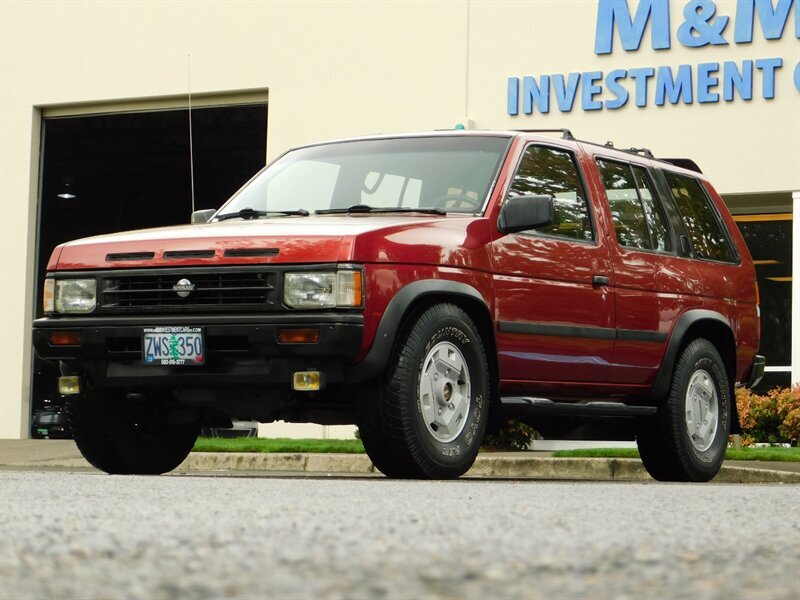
(378, 355)
(682, 325)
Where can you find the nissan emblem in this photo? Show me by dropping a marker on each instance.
(183, 288)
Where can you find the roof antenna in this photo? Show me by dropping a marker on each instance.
(191, 145)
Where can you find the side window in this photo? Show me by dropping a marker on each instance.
(626, 209)
(708, 237)
(553, 172)
(639, 219)
(653, 210)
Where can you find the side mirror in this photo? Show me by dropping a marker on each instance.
(525, 212)
(202, 216)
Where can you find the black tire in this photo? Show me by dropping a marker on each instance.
(669, 450)
(121, 436)
(372, 429)
(400, 427)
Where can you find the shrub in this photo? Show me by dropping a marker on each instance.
(772, 418)
(514, 435)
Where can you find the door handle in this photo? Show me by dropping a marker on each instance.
(599, 280)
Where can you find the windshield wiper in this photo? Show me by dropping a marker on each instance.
(364, 208)
(250, 213)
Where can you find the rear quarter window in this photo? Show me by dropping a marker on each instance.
(709, 238)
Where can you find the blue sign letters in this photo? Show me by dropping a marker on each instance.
(616, 12)
(685, 84)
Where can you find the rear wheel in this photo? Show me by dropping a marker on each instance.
(123, 436)
(427, 416)
(687, 438)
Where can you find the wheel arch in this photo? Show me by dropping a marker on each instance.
(694, 324)
(412, 300)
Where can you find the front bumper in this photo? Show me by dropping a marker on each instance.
(241, 350)
(756, 371)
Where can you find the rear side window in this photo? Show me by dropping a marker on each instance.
(708, 237)
(653, 210)
(638, 216)
(553, 172)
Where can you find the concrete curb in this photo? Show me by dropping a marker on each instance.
(277, 461)
(518, 467)
(486, 466)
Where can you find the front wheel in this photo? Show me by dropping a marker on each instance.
(687, 438)
(119, 435)
(427, 416)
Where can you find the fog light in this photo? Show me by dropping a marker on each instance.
(307, 381)
(65, 338)
(69, 385)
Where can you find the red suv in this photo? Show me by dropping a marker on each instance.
(420, 286)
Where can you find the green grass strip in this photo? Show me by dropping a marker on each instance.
(278, 445)
(766, 454)
(356, 447)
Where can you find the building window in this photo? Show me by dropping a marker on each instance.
(769, 239)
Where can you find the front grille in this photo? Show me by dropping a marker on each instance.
(219, 288)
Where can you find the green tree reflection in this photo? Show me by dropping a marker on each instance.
(551, 172)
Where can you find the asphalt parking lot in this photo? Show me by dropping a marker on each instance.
(87, 535)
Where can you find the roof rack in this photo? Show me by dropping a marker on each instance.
(565, 133)
(643, 151)
(685, 163)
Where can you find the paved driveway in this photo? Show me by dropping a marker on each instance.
(87, 535)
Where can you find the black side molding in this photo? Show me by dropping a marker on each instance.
(577, 331)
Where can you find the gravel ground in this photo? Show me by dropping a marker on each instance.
(86, 535)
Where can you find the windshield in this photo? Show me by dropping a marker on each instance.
(450, 173)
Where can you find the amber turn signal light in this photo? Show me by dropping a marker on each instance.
(298, 336)
(65, 338)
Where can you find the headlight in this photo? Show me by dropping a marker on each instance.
(323, 290)
(75, 295)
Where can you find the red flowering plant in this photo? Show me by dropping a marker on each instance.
(772, 418)
(514, 435)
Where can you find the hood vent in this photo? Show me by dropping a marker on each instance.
(188, 254)
(130, 256)
(250, 252)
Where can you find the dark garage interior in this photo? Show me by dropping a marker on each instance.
(122, 171)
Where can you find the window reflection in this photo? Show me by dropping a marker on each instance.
(704, 229)
(552, 172)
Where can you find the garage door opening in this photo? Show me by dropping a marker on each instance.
(116, 172)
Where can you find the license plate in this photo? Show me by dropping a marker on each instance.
(173, 346)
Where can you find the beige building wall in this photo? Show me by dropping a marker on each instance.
(348, 68)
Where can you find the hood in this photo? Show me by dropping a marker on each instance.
(313, 239)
